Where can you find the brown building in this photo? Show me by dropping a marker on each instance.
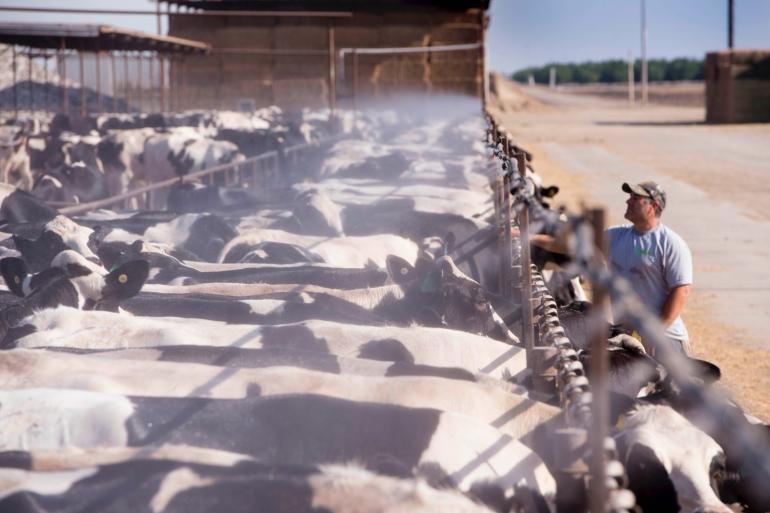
(315, 53)
(738, 86)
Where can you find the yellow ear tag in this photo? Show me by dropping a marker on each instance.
(404, 271)
(621, 422)
(123, 278)
(16, 280)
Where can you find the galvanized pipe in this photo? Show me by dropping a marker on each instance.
(97, 58)
(526, 261)
(599, 376)
(83, 106)
(15, 85)
(31, 83)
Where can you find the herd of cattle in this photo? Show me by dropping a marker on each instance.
(334, 345)
(77, 160)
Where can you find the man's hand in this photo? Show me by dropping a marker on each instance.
(674, 304)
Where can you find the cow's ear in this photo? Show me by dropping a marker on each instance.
(706, 371)
(14, 271)
(126, 280)
(549, 192)
(399, 269)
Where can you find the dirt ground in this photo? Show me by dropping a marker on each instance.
(718, 183)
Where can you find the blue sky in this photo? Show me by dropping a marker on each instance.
(526, 33)
(535, 32)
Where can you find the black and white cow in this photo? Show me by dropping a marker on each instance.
(433, 294)
(71, 281)
(141, 484)
(65, 327)
(445, 448)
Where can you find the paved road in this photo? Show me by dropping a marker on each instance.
(717, 179)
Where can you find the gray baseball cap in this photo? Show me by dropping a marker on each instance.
(649, 190)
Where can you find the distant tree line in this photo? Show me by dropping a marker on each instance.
(615, 70)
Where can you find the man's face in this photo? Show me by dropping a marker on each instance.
(639, 208)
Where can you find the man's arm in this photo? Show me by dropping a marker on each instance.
(674, 304)
(541, 240)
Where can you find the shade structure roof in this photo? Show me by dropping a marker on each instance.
(92, 38)
(326, 5)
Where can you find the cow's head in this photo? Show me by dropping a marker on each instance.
(58, 234)
(671, 464)
(444, 295)
(93, 286)
(71, 281)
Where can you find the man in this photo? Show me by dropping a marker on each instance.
(652, 257)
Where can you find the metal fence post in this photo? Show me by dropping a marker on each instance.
(526, 271)
(599, 377)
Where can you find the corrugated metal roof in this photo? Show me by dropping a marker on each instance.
(328, 5)
(91, 38)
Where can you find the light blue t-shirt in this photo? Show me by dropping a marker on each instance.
(654, 263)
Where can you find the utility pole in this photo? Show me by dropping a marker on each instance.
(644, 54)
(631, 95)
(730, 23)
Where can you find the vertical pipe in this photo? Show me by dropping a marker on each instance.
(83, 106)
(355, 88)
(332, 70)
(483, 84)
(98, 59)
(63, 80)
(183, 102)
(126, 81)
(644, 53)
(497, 188)
(15, 85)
(151, 76)
(162, 61)
(47, 88)
(599, 378)
(526, 271)
(31, 84)
(140, 82)
(162, 70)
(631, 92)
(730, 23)
(113, 88)
(507, 242)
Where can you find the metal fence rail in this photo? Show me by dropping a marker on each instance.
(261, 171)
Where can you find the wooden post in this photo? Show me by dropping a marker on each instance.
(599, 377)
(526, 271)
(332, 70)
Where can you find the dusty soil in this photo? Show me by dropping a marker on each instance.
(682, 94)
(718, 189)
